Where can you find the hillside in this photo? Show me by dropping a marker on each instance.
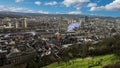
(83, 63)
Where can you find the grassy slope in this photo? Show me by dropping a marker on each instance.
(83, 63)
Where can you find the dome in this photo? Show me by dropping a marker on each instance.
(73, 25)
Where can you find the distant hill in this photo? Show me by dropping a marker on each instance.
(37, 14)
(7, 14)
(20, 14)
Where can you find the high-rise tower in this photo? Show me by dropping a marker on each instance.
(24, 22)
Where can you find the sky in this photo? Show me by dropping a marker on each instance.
(88, 7)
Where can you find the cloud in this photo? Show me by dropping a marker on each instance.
(113, 6)
(51, 3)
(30, 11)
(71, 2)
(18, 1)
(78, 4)
(38, 3)
(75, 12)
(43, 12)
(12, 9)
(98, 1)
(92, 5)
(1, 7)
(19, 9)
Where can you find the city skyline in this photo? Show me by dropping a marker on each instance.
(89, 7)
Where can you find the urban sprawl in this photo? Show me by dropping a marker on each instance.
(21, 38)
